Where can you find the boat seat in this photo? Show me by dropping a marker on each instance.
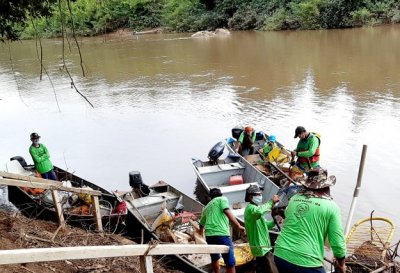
(14, 166)
(221, 167)
(235, 188)
(154, 199)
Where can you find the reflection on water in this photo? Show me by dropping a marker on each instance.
(162, 99)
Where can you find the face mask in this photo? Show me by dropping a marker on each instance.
(257, 199)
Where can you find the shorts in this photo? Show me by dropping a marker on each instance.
(229, 258)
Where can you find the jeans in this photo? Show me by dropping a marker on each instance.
(266, 264)
(51, 175)
(286, 267)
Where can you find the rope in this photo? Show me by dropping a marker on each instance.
(152, 244)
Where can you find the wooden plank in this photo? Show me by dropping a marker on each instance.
(27, 178)
(53, 186)
(59, 210)
(146, 264)
(32, 255)
(97, 213)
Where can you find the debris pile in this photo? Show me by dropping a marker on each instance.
(17, 231)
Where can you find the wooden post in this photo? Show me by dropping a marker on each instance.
(97, 213)
(146, 264)
(57, 206)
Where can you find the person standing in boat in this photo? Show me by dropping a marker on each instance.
(246, 140)
(257, 229)
(215, 220)
(307, 150)
(310, 218)
(41, 158)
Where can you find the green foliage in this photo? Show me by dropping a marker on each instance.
(91, 17)
(307, 14)
(279, 20)
(395, 16)
(243, 19)
(15, 14)
(361, 17)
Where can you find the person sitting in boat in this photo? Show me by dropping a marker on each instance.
(41, 158)
(307, 150)
(257, 229)
(215, 220)
(273, 153)
(246, 141)
(312, 217)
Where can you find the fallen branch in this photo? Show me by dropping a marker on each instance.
(56, 232)
(27, 269)
(37, 238)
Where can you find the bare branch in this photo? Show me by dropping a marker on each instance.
(41, 62)
(63, 55)
(74, 36)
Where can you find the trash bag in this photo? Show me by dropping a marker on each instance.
(165, 218)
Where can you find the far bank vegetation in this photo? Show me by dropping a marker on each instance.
(94, 17)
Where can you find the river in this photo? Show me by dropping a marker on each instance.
(160, 100)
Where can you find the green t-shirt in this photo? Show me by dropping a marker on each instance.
(257, 228)
(41, 158)
(213, 218)
(306, 148)
(309, 221)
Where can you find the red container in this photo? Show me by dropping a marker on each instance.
(235, 180)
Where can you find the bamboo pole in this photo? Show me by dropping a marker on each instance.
(356, 190)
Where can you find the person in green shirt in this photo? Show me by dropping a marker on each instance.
(41, 158)
(215, 220)
(311, 217)
(257, 229)
(246, 141)
(307, 150)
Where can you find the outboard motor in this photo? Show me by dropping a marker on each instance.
(237, 131)
(216, 151)
(136, 182)
(20, 159)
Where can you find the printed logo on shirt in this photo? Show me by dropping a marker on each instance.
(301, 210)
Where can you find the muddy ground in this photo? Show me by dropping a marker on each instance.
(17, 231)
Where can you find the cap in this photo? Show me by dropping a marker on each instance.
(253, 189)
(272, 138)
(318, 179)
(248, 129)
(34, 136)
(299, 130)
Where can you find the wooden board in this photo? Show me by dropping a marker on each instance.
(53, 185)
(31, 255)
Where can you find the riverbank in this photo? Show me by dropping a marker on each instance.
(17, 231)
(90, 18)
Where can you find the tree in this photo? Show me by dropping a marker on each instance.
(14, 15)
